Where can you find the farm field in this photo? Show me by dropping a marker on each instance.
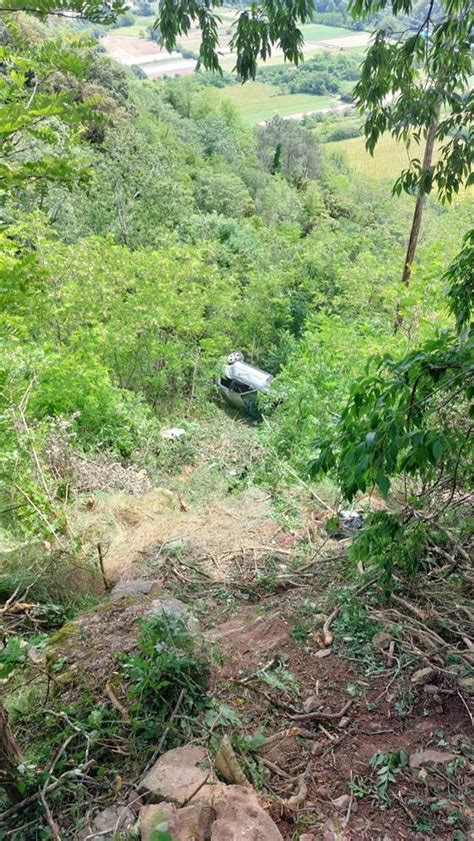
(141, 25)
(390, 156)
(257, 101)
(322, 32)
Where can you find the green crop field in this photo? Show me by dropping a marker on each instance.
(390, 156)
(257, 101)
(141, 25)
(322, 32)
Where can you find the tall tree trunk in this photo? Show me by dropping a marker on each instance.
(9, 757)
(416, 224)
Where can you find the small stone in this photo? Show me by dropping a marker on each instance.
(341, 803)
(381, 640)
(318, 619)
(331, 833)
(466, 684)
(428, 757)
(344, 721)
(323, 652)
(37, 655)
(176, 776)
(308, 836)
(422, 676)
(311, 703)
(106, 824)
(134, 587)
(431, 689)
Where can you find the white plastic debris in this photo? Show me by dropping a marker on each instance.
(172, 433)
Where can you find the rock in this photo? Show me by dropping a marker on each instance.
(331, 833)
(154, 817)
(428, 757)
(191, 823)
(259, 635)
(344, 721)
(175, 608)
(308, 836)
(311, 703)
(323, 652)
(323, 792)
(176, 776)
(37, 655)
(318, 619)
(239, 817)
(431, 689)
(381, 640)
(341, 803)
(134, 587)
(106, 824)
(422, 676)
(466, 684)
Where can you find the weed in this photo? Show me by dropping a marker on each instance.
(387, 765)
(169, 669)
(300, 632)
(354, 627)
(277, 676)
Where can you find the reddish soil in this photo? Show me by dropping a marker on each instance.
(419, 806)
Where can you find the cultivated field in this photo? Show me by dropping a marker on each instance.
(389, 159)
(130, 45)
(258, 101)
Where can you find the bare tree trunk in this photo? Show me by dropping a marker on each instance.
(9, 757)
(415, 227)
(416, 224)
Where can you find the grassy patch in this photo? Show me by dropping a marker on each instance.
(322, 32)
(390, 156)
(257, 101)
(141, 24)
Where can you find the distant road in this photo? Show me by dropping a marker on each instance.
(298, 115)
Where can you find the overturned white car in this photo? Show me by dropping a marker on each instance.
(239, 383)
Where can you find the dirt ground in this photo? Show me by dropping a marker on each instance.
(300, 654)
(232, 563)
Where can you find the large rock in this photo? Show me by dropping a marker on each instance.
(430, 757)
(191, 823)
(239, 817)
(257, 635)
(174, 608)
(176, 776)
(134, 587)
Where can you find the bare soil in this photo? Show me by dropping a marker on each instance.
(255, 632)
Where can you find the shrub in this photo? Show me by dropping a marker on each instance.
(170, 668)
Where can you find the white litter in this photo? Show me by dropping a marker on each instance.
(171, 434)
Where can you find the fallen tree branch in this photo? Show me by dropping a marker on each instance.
(327, 636)
(293, 803)
(68, 775)
(124, 714)
(320, 716)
